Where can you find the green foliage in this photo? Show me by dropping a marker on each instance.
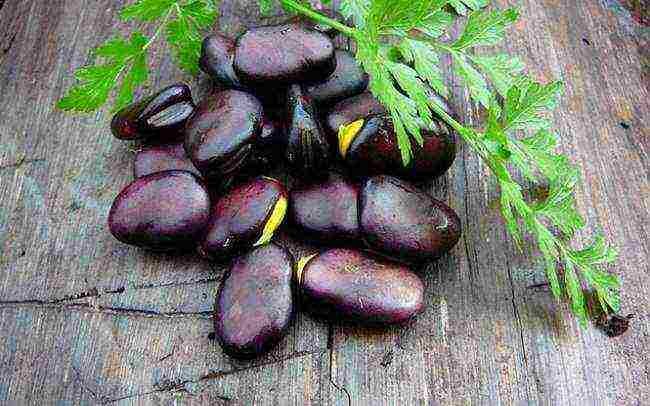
(426, 63)
(524, 109)
(146, 10)
(478, 86)
(526, 101)
(403, 88)
(516, 136)
(265, 6)
(485, 28)
(502, 70)
(97, 81)
(397, 17)
(125, 61)
(435, 23)
(462, 6)
(355, 10)
(184, 32)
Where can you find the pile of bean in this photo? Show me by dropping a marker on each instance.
(286, 95)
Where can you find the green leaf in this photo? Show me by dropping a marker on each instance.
(477, 85)
(116, 48)
(93, 92)
(397, 17)
(534, 154)
(559, 206)
(184, 32)
(527, 102)
(502, 70)
(426, 62)
(409, 82)
(357, 10)
(127, 59)
(461, 6)
(485, 28)
(574, 290)
(97, 81)
(383, 76)
(607, 287)
(146, 10)
(435, 24)
(596, 254)
(495, 139)
(509, 192)
(202, 12)
(542, 141)
(266, 6)
(135, 78)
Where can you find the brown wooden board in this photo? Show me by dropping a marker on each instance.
(87, 320)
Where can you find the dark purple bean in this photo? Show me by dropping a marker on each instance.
(159, 117)
(245, 217)
(268, 151)
(365, 105)
(352, 286)
(254, 306)
(348, 80)
(373, 149)
(326, 212)
(220, 136)
(272, 134)
(159, 158)
(308, 151)
(401, 221)
(217, 57)
(163, 211)
(280, 55)
(353, 109)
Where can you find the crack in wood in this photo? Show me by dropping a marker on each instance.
(11, 43)
(116, 311)
(464, 234)
(96, 292)
(520, 328)
(180, 386)
(332, 363)
(22, 161)
(85, 387)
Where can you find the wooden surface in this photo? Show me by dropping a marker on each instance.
(86, 320)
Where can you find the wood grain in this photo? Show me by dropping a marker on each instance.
(87, 320)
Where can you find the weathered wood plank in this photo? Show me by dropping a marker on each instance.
(99, 320)
(85, 319)
(485, 337)
(604, 88)
(77, 353)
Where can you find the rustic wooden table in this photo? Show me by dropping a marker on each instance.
(85, 319)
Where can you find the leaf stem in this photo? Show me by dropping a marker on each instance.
(314, 15)
(160, 27)
(449, 119)
(149, 42)
(468, 136)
